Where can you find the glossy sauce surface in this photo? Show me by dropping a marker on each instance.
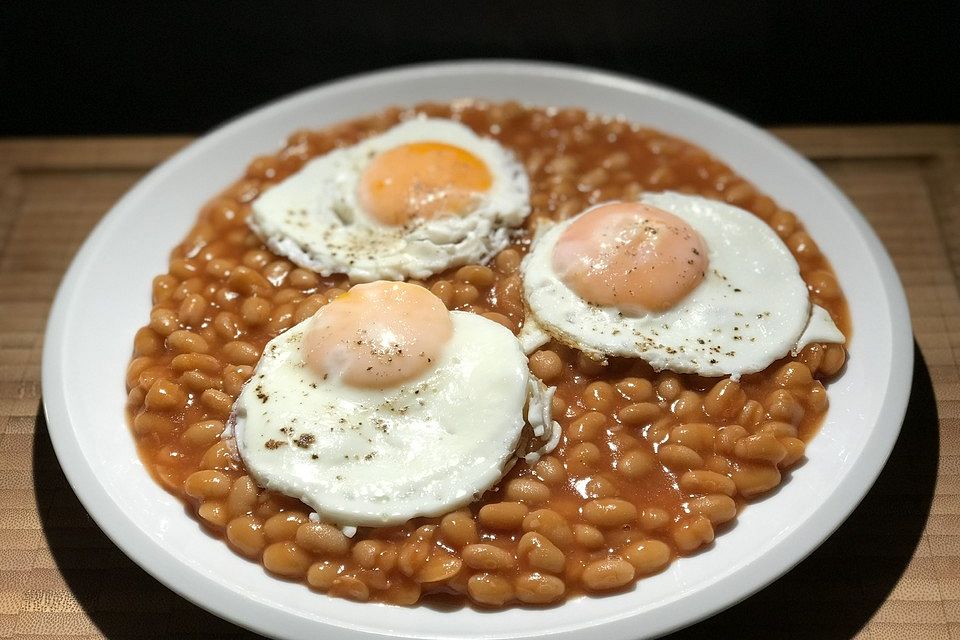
(651, 465)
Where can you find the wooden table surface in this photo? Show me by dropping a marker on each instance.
(891, 571)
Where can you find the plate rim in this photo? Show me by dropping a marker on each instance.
(150, 556)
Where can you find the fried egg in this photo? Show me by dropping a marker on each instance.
(424, 196)
(687, 284)
(384, 406)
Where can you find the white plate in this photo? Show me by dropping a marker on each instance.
(104, 298)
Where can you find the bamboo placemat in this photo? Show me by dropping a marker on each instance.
(891, 571)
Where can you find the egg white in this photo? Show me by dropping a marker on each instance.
(751, 308)
(315, 218)
(363, 457)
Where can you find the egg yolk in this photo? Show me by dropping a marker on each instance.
(377, 335)
(422, 180)
(631, 256)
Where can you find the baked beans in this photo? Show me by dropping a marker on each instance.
(651, 466)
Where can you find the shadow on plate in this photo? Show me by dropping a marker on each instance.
(831, 594)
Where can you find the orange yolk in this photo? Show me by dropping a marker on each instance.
(631, 256)
(422, 180)
(378, 335)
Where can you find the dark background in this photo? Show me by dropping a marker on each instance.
(172, 67)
